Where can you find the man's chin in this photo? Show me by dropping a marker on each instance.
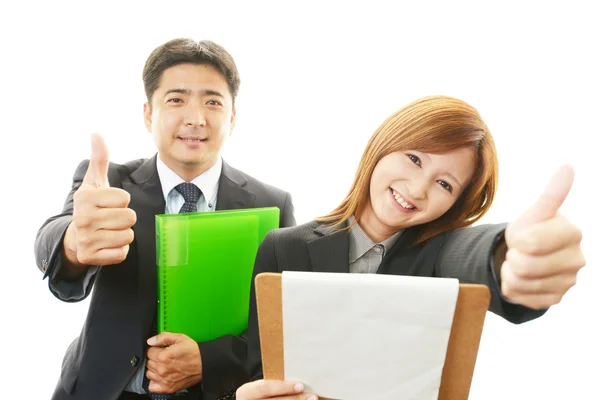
(201, 161)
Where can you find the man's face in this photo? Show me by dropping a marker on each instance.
(190, 116)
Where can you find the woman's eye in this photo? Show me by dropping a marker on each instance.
(446, 185)
(414, 159)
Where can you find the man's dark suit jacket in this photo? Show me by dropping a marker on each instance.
(112, 344)
(465, 254)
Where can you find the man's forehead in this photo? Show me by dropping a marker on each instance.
(193, 80)
(193, 72)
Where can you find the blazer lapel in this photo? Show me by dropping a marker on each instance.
(400, 259)
(233, 193)
(329, 252)
(147, 201)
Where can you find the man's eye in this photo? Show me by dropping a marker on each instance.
(174, 100)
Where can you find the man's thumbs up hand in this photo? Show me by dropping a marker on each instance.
(544, 253)
(100, 232)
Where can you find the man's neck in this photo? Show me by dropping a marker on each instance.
(190, 172)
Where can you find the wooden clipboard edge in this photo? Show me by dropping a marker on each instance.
(270, 323)
(463, 345)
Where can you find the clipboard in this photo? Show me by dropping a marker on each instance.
(463, 345)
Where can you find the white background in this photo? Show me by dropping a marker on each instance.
(317, 79)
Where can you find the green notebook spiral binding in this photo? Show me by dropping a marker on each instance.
(204, 264)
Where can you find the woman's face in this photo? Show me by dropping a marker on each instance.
(411, 188)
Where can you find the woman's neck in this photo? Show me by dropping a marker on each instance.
(370, 224)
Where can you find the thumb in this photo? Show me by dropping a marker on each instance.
(549, 202)
(97, 172)
(164, 339)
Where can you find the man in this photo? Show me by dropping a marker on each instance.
(104, 237)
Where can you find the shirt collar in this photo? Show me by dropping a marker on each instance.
(207, 182)
(360, 242)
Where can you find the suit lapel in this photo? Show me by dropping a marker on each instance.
(330, 251)
(147, 201)
(233, 193)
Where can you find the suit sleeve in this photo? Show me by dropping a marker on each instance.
(49, 244)
(468, 254)
(287, 213)
(223, 365)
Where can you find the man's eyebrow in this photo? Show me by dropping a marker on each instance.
(205, 92)
(211, 92)
(178, 90)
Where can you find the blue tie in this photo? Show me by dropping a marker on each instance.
(191, 194)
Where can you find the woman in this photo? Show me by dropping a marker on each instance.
(430, 169)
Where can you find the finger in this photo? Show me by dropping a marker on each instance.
(97, 172)
(565, 260)
(265, 389)
(547, 236)
(552, 198)
(153, 376)
(115, 218)
(96, 241)
(103, 197)
(95, 219)
(536, 301)
(164, 339)
(159, 372)
(512, 285)
(157, 386)
(152, 366)
(113, 198)
(153, 352)
(103, 257)
(301, 396)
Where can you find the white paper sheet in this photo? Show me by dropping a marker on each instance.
(367, 336)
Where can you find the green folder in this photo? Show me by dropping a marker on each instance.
(204, 264)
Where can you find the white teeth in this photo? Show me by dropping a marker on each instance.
(402, 202)
(192, 140)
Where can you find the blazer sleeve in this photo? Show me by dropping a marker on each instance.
(287, 213)
(468, 254)
(49, 244)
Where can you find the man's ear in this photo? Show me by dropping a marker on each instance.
(148, 116)
(232, 121)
